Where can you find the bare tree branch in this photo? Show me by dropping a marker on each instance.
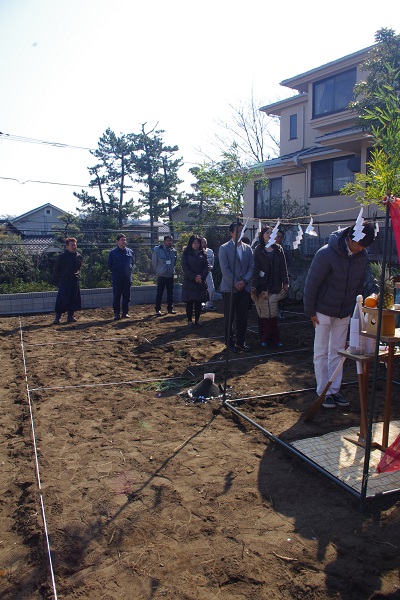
(255, 134)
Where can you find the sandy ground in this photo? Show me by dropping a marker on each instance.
(148, 495)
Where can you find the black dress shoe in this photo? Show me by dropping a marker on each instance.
(243, 347)
(231, 347)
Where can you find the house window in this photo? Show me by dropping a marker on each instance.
(48, 211)
(329, 176)
(333, 94)
(268, 198)
(293, 127)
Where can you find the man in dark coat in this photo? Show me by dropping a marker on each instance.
(67, 272)
(120, 263)
(335, 278)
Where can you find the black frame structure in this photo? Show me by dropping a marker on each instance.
(362, 495)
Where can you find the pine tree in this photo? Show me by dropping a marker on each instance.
(157, 172)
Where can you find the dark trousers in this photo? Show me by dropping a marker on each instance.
(197, 311)
(240, 309)
(270, 332)
(121, 287)
(162, 283)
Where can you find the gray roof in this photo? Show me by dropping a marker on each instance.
(40, 244)
(313, 151)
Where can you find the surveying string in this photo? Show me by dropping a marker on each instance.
(218, 362)
(37, 467)
(93, 385)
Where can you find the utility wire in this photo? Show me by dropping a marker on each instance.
(45, 182)
(18, 138)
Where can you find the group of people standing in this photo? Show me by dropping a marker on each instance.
(67, 271)
(261, 275)
(336, 276)
(264, 273)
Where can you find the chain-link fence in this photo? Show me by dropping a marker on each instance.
(95, 250)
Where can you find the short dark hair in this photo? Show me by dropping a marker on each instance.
(168, 237)
(369, 236)
(68, 240)
(120, 235)
(234, 224)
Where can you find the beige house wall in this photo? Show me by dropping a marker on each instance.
(327, 137)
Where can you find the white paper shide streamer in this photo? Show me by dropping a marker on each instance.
(310, 228)
(298, 238)
(358, 233)
(273, 235)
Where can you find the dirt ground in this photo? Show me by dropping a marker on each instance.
(149, 495)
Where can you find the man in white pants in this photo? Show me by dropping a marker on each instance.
(209, 305)
(335, 278)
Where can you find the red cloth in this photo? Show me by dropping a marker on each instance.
(390, 461)
(394, 207)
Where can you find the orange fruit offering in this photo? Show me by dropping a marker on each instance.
(371, 301)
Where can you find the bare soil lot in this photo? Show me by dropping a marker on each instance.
(148, 495)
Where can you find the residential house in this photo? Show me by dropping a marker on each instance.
(142, 228)
(186, 213)
(190, 213)
(320, 146)
(39, 227)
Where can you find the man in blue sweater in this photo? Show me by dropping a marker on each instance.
(120, 263)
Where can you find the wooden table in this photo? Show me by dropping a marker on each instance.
(365, 361)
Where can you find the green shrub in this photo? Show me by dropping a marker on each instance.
(25, 287)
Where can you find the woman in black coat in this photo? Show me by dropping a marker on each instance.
(195, 271)
(270, 277)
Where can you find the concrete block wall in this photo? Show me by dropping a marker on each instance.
(43, 302)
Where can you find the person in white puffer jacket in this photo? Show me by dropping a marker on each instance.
(209, 305)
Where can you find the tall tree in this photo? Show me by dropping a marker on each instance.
(382, 67)
(112, 177)
(378, 108)
(383, 170)
(255, 135)
(220, 185)
(157, 171)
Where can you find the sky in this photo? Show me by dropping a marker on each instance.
(70, 69)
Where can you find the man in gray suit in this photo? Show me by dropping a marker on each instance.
(240, 280)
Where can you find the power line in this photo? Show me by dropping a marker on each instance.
(45, 182)
(78, 185)
(24, 139)
(18, 138)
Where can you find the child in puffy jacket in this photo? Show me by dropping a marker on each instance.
(269, 284)
(267, 306)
